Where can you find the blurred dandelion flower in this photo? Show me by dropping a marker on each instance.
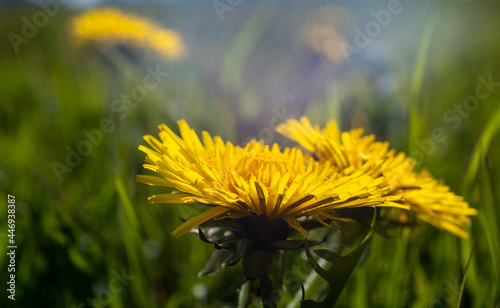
(351, 152)
(323, 34)
(252, 181)
(110, 26)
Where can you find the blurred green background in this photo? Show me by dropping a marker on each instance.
(88, 237)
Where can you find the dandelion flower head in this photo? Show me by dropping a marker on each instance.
(349, 152)
(256, 180)
(111, 26)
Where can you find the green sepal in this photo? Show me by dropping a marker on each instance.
(338, 274)
(328, 255)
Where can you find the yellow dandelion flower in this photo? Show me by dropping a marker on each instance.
(351, 152)
(323, 33)
(110, 26)
(252, 181)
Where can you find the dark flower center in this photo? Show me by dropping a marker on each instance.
(263, 230)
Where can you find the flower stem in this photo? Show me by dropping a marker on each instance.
(244, 295)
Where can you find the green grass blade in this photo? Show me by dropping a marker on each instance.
(480, 150)
(462, 286)
(419, 70)
(236, 56)
(138, 265)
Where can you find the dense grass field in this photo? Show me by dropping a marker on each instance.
(86, 235)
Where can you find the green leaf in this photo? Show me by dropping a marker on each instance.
(340, 271)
